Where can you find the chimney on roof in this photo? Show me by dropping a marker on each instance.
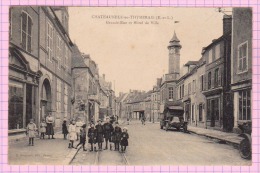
(158, 81)
(227, 23)
(104, 76)
(214, 40)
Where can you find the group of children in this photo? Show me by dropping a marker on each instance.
(32, 130)
(96, 135)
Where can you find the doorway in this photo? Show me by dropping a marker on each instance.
(45, 98)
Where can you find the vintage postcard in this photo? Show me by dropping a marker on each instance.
(130, 86)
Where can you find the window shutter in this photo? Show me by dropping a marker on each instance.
(204, 82)
(212, 80)
(29, 40)
(200, 83)
(219, 76)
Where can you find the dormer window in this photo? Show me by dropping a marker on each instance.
(210, 56)
(217, 51)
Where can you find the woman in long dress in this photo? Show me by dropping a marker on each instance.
(49, 128)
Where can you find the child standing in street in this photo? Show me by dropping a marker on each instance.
(100, 134)
(92, 135)
(72, 133)
(31, 129)
(64, 129)
(124, 140)
(43, 126)
(82, 136)
(79, 124)
(116, 136)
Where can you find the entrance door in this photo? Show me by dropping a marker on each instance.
(29, 103)
(45, 98)
(187, 112)
(43, 109)
(212, 124)
(192, 112)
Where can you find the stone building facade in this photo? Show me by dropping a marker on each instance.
(241, 65)
(55, 49)
(39, 66)
(86, 87)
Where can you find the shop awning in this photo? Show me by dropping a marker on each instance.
(175, 107)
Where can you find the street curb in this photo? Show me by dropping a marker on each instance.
(69, 158)
(234, 144)
(24, 137)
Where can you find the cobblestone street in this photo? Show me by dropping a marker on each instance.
(149, 145)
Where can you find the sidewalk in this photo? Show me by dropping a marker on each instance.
(47, 151)
(231, 138)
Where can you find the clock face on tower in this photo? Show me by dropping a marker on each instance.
(171, 51)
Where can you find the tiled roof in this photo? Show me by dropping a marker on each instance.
(77, 59)
(191, 63)
(121, 97)
(217, 40)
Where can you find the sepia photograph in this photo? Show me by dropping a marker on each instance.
(130, 86)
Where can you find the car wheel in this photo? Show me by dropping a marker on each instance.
(166, 127)
(245, 149)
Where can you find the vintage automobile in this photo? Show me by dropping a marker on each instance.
(172, 118)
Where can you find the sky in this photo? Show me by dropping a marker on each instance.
(132, 56)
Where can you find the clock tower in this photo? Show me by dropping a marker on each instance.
(174, 55)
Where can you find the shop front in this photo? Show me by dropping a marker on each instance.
(23, 89)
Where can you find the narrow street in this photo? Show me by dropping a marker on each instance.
(149, 145)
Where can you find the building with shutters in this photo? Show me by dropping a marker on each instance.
(241, 65)
(189, 91)
(219, 106)
(39, 65)
(55, 49)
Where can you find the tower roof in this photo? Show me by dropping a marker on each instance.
(174, 41)
(175, 38)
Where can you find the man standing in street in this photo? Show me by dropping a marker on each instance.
(100, 133)
(108, 130)
(143, 120)
(49, 128)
